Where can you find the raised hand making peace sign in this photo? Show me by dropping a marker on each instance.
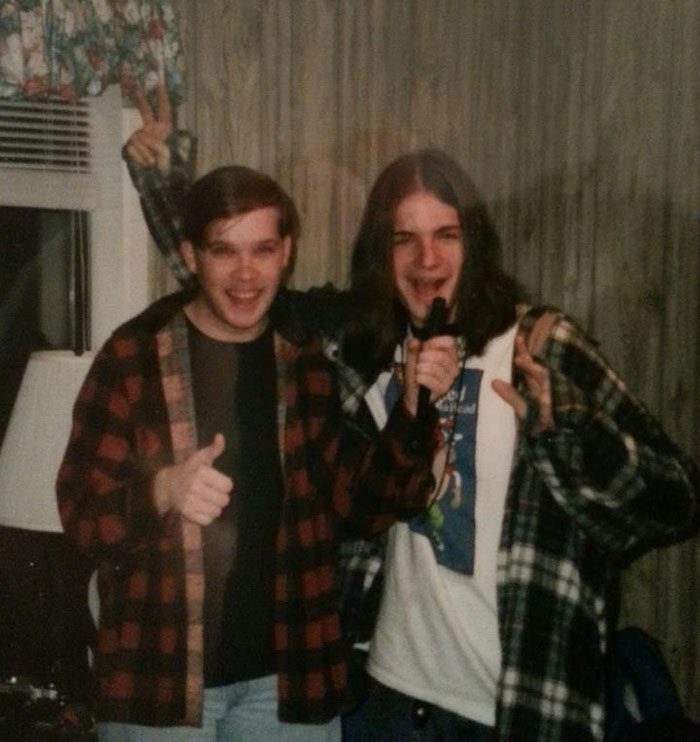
(147, 146)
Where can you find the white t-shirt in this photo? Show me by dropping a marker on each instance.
(437, 633)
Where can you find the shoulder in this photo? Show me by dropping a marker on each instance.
(128, 350)
(300, 315)
(544, 326)
(306, 369)
(155, 316)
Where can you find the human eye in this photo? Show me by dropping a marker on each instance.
(450, 234)
(401, 238)
(267, 249)
(220, 250)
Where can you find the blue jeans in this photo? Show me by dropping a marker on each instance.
(390, 716)
(242, 712)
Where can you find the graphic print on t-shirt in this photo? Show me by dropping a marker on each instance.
(449, 524)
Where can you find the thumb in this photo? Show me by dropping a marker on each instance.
(208, 454)
(509, 394)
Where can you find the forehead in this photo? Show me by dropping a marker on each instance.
(423, 209)
(252, 226)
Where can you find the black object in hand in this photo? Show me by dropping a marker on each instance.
(434, 325)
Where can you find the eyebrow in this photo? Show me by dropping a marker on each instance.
(255, 243)
(441, 228)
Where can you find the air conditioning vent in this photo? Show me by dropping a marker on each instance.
(67, 157)
(46, 135)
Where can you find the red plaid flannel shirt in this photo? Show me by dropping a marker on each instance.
(135, 414)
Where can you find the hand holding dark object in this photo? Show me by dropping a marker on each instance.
(431, 363)
(434, 325)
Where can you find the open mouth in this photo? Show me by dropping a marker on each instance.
(244, 298)
(427, 289)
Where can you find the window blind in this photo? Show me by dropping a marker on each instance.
(46, 135)
(52, 152)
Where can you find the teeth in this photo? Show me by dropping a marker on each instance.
(428, 285)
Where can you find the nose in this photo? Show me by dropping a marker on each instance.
(427, 256)
(245, 267)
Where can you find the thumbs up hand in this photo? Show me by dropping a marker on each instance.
(194, 488)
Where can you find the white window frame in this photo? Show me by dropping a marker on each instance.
(119, 238)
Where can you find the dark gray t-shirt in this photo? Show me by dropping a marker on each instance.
(235, 393)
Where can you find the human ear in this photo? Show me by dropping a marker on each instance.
(287, 249)
(187, 252)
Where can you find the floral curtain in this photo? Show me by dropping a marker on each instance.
(75, 48)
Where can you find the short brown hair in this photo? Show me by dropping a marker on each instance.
(232, 190)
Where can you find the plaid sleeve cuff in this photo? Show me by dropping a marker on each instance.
(413, 439)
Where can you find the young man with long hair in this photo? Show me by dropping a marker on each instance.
(493, 614)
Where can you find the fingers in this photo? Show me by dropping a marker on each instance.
(163, 113)
(164, 108)
(437, 365)
(141, 147)
(538, 388)
(411, 350)
(147, 148)
(194, 488)
(208, 483)
(538, 383)
(536, 375)
(208, 497)
(143, 106)
(509, 394)
(432, 365)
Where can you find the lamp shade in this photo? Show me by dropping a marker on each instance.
(36, 439)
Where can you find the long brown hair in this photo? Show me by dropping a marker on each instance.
(486, 296)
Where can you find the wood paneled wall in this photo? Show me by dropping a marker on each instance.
(578, 119)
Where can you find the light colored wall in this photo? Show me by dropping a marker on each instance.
(577, 118)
